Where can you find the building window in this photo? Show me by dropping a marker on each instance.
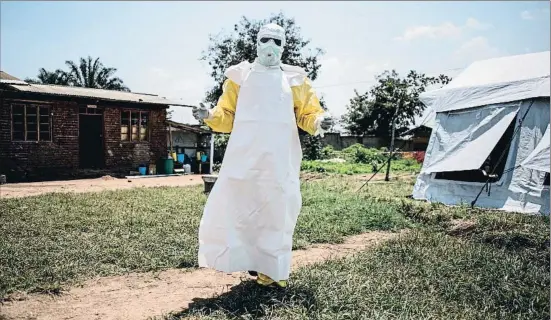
(490, 164)
(134, 125)
(31, 122)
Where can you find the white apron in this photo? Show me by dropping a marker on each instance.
(251, 212)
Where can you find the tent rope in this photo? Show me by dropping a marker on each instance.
(517, 129)
(387, 160)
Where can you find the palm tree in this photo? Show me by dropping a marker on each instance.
(91, 73)
(58, 77)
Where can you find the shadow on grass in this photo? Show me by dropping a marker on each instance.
(248, 300)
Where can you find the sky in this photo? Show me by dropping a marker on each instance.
(156, 46)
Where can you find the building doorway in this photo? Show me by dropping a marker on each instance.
(90, 138)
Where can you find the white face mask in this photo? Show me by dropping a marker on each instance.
(269, 52)
(270, 43)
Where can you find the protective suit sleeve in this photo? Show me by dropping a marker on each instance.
(221, 117)
(307, 107)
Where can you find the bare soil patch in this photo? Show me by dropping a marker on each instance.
(94, 185)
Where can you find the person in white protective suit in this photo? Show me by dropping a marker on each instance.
(251, 212)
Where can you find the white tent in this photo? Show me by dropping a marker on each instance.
(492, 122)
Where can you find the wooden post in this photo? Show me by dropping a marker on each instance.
(211, 152)
(170, 137)
(387, 176)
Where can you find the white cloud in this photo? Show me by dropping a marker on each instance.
(526, 15)
(477, 48)
(445, 30)
(472, 23)
(340, 76)
(534, 14)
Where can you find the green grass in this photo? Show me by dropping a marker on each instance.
(422, 275)
(51, 241)
(350, 168)
(495, 267)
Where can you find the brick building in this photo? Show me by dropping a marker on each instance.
(56, 132)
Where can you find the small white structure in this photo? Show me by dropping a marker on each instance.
(492, 122)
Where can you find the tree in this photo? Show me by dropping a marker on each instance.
(312, 146)
(226, 50)
(58, 77)
(373, 111)
(91, 73)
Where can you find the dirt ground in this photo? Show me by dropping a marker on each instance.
(139, 296)
(12, 190)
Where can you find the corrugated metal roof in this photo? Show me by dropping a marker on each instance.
(95, 93)
(186, 127)
(9, 81)
(6, 76)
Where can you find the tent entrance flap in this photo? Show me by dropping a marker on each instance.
(539, 157)
(471, 154)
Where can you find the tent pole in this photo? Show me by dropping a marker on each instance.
(383, 165)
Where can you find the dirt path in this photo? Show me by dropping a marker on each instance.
(139, 296)
(93, 185)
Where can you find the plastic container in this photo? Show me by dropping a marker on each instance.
(142, 170)
(165, 166)
(187, 169)
(204, 158)
(181, 157)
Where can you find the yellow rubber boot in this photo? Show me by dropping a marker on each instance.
(264, 280)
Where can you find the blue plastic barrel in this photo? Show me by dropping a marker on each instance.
(180, 157)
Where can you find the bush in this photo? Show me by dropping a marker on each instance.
(312, 147)
(328, 152)
(357, 153)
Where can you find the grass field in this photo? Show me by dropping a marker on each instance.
(494, 267)
(53, 240)
(455, 263)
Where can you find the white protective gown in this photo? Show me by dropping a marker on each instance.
(252, 210)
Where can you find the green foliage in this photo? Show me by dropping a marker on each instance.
(58, 77)
(88, 73)
(227, 49)
(373, 111)
(312, 148)
(357, 153)
(357, 160)
(357, 168)
(328, 152)
(220, 145)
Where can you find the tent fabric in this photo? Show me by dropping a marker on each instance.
(464, 140)
(494, 81)
(525, 180)
(539, 158)
(519, 190)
